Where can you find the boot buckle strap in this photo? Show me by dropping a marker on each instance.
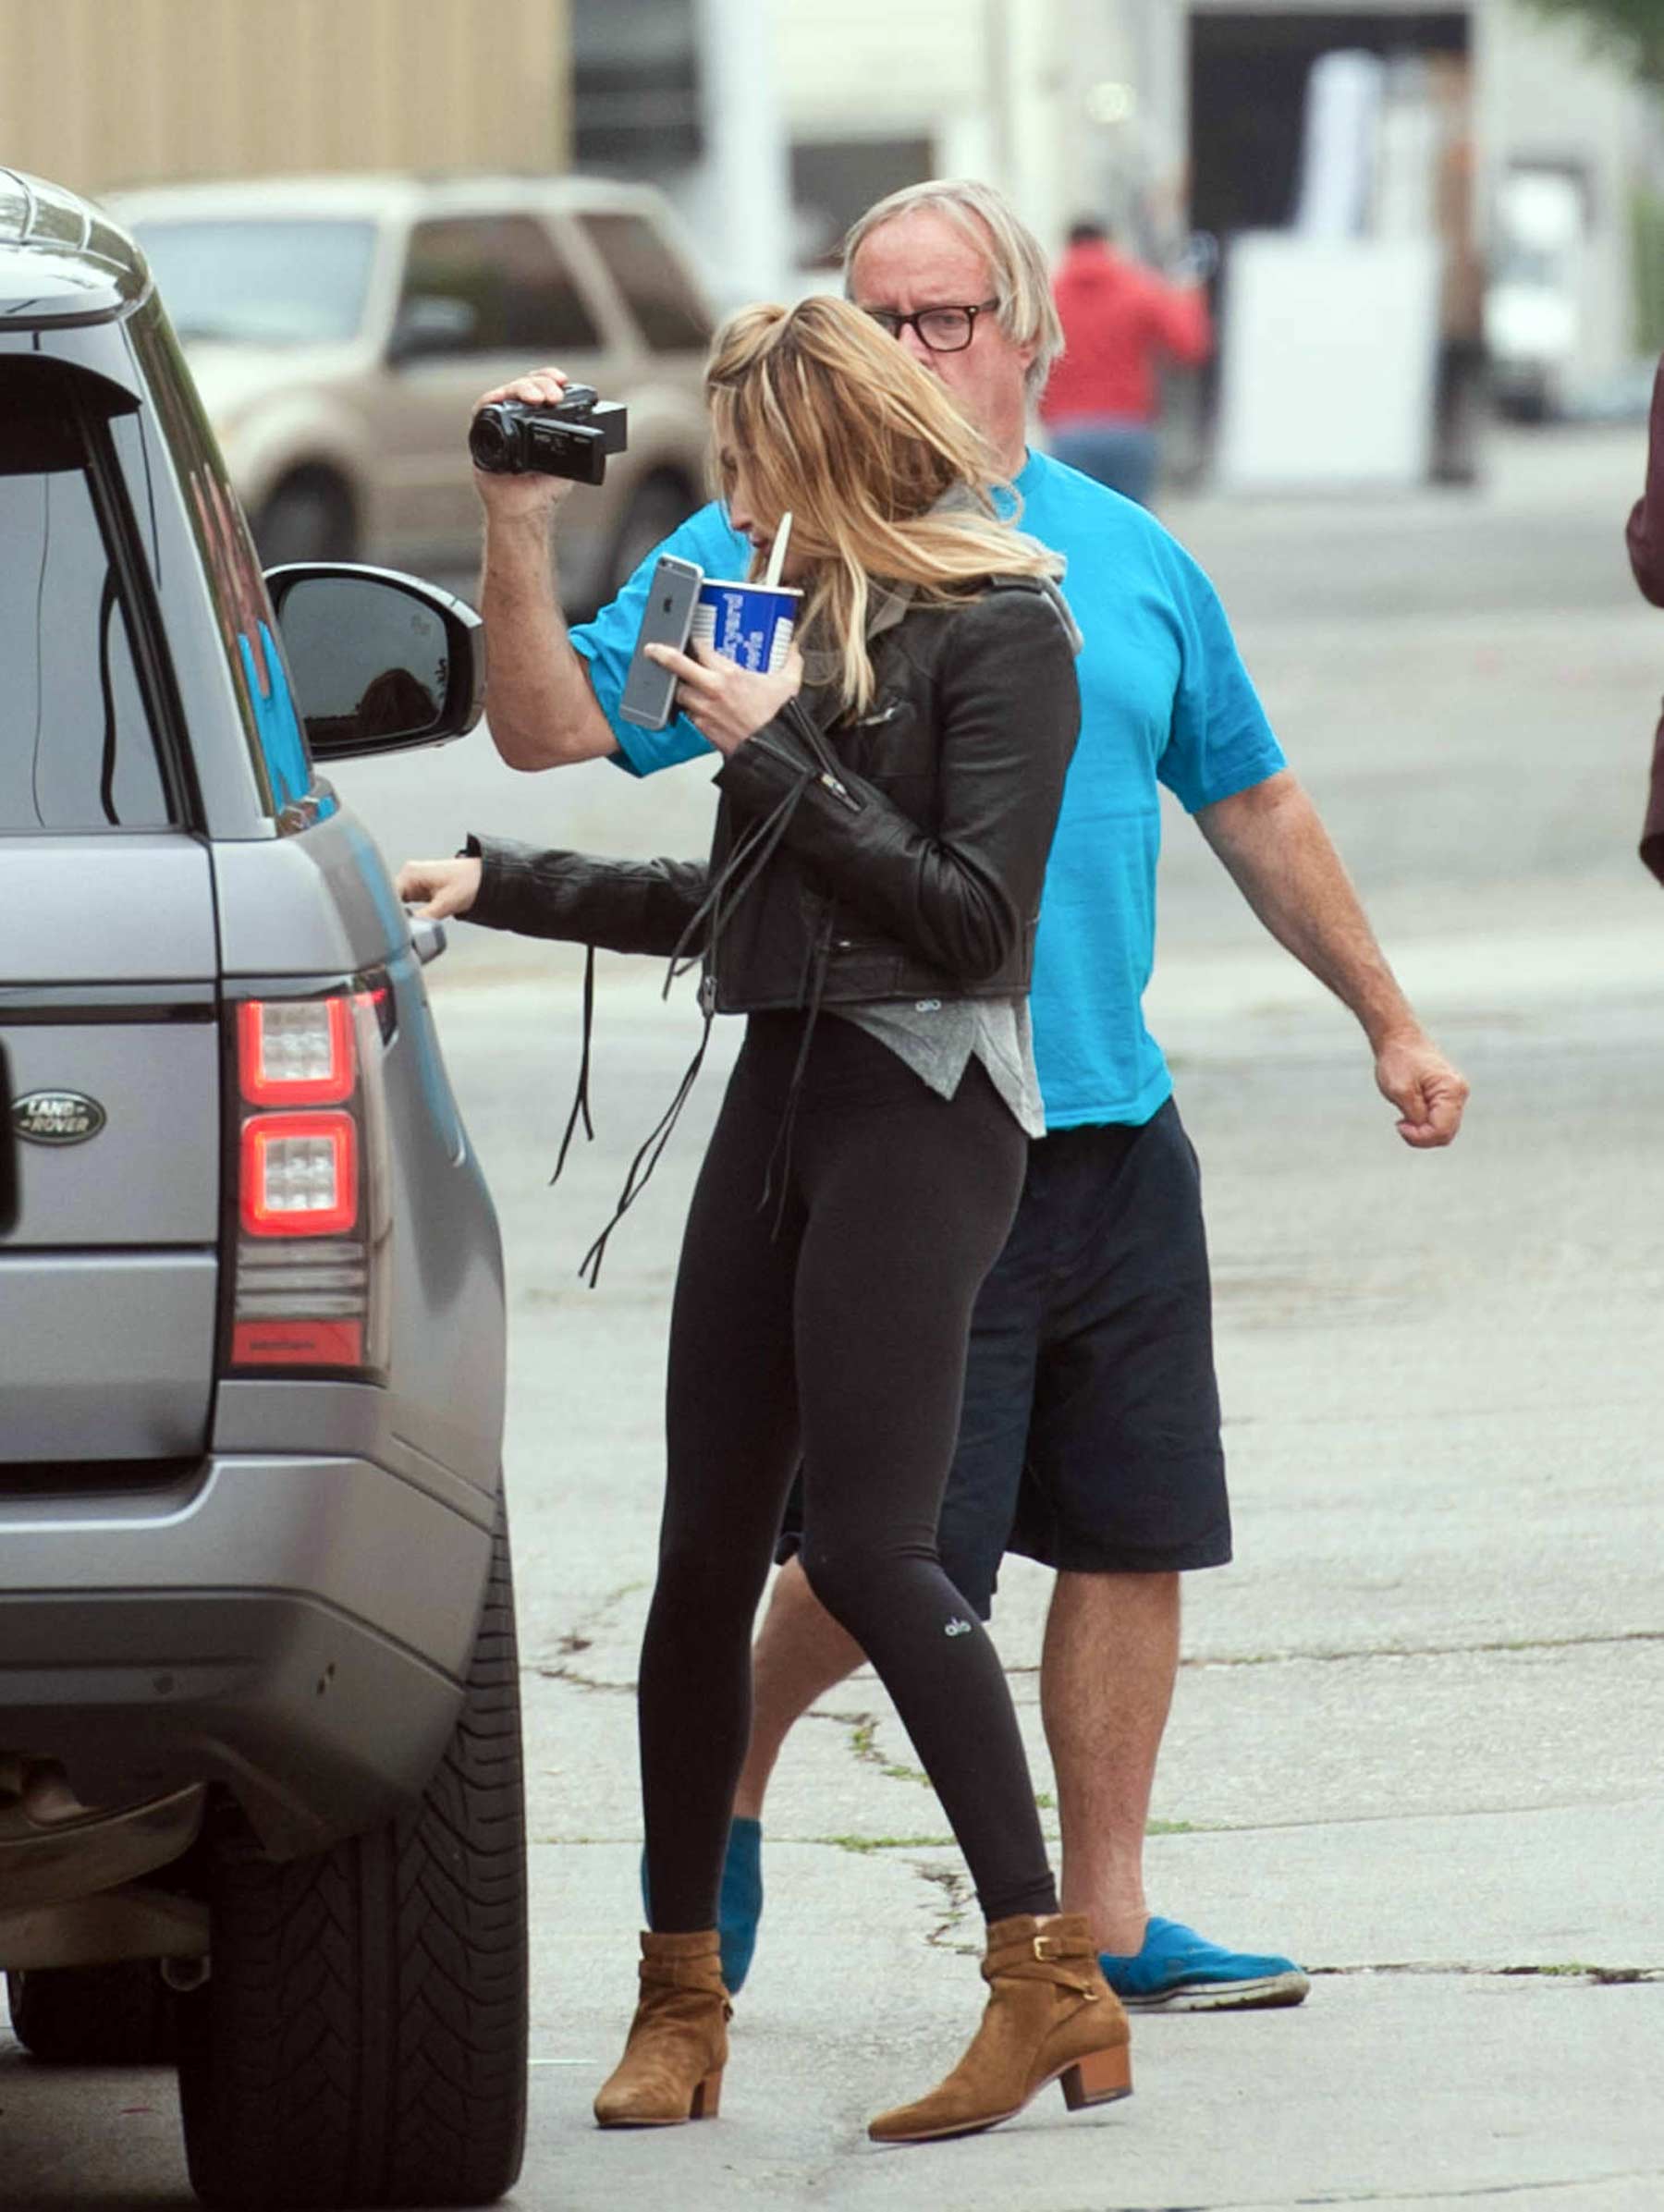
(1052, 1950)
(1022, 1955)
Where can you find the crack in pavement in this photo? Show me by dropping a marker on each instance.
(1354, 1820)
(591, 1626)
(863, 1744)
(1596, 1978)
(1504, 1645)
(575, 1641)
(573, 1676)
(1445, 2196)
(1428, 1651)
(957, 1900)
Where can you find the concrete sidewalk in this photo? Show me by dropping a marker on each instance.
(1416, 1739)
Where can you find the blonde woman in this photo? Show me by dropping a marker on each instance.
(870, 906)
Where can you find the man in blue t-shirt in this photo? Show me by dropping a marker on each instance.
(1090, 1438)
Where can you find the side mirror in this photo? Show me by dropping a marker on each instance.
(381, 661)
(429, 323)
(8, 1153)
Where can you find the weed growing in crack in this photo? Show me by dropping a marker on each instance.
(871, 1843)
(958, 1899)
(864, 1742)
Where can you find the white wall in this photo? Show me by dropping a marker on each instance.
(988, 81)
(881, 67)
(998, 88)
(1542, 98)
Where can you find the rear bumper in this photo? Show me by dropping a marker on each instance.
(298, 1629)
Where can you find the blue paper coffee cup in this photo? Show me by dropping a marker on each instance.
(750, 623)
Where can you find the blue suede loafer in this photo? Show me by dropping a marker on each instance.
(1178, 1971)
(739, 1902)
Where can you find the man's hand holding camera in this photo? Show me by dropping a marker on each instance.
(545, 425)
(507, 498)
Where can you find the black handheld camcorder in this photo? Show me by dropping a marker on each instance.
(572, 439)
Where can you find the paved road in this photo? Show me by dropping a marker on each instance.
(1415, 1738)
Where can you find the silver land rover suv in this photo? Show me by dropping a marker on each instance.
(260, 1780)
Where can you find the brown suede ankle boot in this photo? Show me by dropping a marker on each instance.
(671, 2070)
(1050, 2016)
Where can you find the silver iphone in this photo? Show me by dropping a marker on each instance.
(650, 690)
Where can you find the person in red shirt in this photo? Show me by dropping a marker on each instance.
(1118, 318)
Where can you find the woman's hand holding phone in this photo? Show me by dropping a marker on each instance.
(725, 703)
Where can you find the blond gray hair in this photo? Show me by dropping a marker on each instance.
(883, 475)
(1019, 276)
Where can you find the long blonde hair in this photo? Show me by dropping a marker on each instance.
(833, 421)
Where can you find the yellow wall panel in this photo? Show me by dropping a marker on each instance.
(96, 94)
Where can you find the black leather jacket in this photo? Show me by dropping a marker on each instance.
(899, 854)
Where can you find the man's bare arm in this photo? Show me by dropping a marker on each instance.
(1272, 840)
(540, 707)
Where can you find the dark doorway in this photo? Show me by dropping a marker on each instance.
(1248, 72)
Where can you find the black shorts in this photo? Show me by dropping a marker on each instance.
(1090, 1434)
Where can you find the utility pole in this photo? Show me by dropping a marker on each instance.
(747, 161)
(1031, 107)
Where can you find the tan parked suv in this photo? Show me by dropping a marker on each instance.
(339, 329)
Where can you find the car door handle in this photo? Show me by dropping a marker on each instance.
(428, 937)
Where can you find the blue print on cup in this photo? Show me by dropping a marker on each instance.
(750, 623)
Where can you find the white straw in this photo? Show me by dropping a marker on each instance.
(776, 558)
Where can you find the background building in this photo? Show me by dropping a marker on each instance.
(1503, 133)
(774, 122)
(96, 94)
(1220, 86)
(1534, 167)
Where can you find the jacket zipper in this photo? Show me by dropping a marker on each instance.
(839, 790)
(822, 775)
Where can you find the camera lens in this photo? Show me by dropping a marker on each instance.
(488, 440)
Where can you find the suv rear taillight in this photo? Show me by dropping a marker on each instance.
(296, 1052)
(299, 1175)
(309, 1232)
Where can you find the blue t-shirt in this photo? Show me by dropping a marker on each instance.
(1165, 699)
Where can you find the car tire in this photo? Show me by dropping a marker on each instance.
(361, 2037)
(661, 503)
(309, 517)
(119, 2015)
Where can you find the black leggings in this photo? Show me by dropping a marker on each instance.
(835, 1325)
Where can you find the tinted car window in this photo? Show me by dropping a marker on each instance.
(507, 270)
(670, 316)
(261, 283)
(236, 586)
(78, 751)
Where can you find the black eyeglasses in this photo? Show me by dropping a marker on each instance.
(942, 329)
